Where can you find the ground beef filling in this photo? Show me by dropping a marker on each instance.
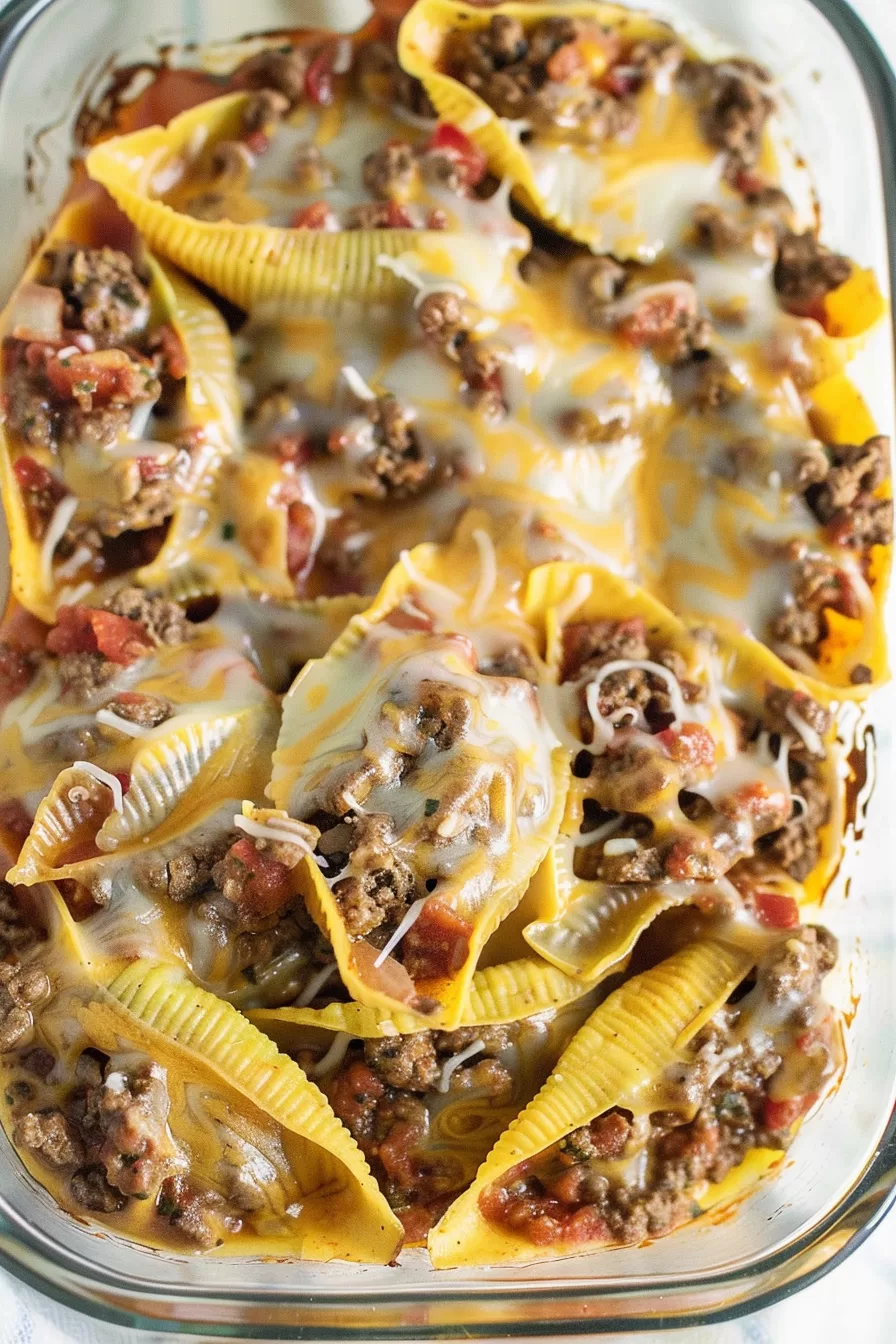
(546, 74)
(622, 1178)
(372, 879)
(110, 1134)
(648, 762)
(383, 1093)
(843, 498)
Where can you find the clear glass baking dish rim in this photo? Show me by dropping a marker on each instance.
(659, 1303)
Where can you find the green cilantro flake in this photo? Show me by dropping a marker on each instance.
(431, 805)
(228, 530)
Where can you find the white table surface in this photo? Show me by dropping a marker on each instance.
(856, 1303)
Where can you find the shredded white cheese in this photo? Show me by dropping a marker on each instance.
(103, 777)
(809, 736)
(476, 119)
(408, 922)
(624, 845)
(455, 1062)
(64, 512)
(315, 985)
(110, 719)
(71, 566)
(353, 803)
(342, 57)
(586, 838)
(424, 288)
(362, 390)
(581, 589)
(488, 573)
(262, 831)
(422, 581)
(329, 1062)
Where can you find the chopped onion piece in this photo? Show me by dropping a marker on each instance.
(410, 919)
(36, 313)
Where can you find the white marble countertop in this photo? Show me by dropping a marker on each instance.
(855, 1303)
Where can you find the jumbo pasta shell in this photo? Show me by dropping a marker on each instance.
(624, 1047)
(175, 779)
(499, 994)
(569, 189)
(200, 1038)
(211, 411)
(325, 713)
(743, 667)
(247, 263)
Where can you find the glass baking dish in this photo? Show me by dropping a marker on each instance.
(840, 1178)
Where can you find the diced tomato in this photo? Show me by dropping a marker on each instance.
(396, 1152)
(565, 61)
(266, 884)
(655, 319)
(778, 1115)
(106, 376)
(585, 1225)
(766, 808)
(319, 76)
(354, 1095)
(437, 220)
(693, 859)
(471, 161)
(153, 468)
(396, 217)
(88, 630)
(173, 352)
(30, 475)
(317, 215)
(691, 744)
(774, 910)
(439, 941)
(258, 142)
(749, 183)
(416, 1221)
(621, 80)
(610, 1134)
(124, 780)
